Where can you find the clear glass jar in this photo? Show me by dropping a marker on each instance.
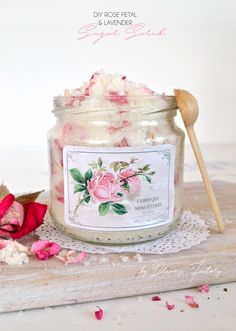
(116, 174)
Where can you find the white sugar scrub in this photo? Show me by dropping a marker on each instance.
(116, 160)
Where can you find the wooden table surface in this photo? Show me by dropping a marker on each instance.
(217, 308)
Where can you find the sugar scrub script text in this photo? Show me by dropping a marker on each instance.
(134, 31)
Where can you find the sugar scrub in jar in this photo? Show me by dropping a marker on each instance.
(116, 158)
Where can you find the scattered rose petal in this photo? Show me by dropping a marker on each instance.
(99, 313)
(190, 301)
(54, 248)
(44, 249)
(203, 288)
(3, 243)
(156, 298)
(40, 244)
(78, 258)
(169, 306)
(42, 254)
(71, 257)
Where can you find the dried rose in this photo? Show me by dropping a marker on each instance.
(17, 219)
(11, 216)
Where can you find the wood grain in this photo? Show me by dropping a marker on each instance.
(50, 283)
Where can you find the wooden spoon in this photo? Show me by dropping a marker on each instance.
(188, 107)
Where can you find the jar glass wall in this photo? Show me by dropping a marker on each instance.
(121, 173)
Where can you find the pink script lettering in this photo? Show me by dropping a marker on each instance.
(137, 31)
(85, 31)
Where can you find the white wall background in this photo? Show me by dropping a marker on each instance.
(40, 56)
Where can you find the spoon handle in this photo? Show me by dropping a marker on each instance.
(205, 177)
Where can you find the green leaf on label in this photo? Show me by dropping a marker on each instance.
(146, 167)
(76, 175)
(115, 165)
(148, 179)
(119, 208)
(124, 164)
(126, 186)
(120, 194)
(100, 162)
(151, 173)
(86, 197)
(88, 175)
(79, 188)
(104, 208)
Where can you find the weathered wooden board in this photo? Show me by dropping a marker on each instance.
(50, 283)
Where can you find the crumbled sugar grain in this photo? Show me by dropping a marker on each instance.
(103, 259)
(139, 258)
(86, 263)
(118, 319)
(93, 258)
(124, 258)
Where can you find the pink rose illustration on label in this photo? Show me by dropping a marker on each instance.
(130, 179)
(104, 187)
(109, 186)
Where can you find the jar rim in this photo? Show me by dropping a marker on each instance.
(138, 103)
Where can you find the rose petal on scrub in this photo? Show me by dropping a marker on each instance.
(169, 306)
(120, 99)
(203, 288)
(156, 298)
(122, 143)
(99, 313)
(190, 301)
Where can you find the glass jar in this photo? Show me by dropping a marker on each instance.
(116, 174)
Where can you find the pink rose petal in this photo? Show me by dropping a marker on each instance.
(3, 243)
(40, 244)
(77, 259)
(156, 298)
(70, 257)
(44, 249)
(99, 313)
(120, 99)
(6, 203)
(42, 254)
(190, 301)
(54, 248)
(169, 306)
(203, 288)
